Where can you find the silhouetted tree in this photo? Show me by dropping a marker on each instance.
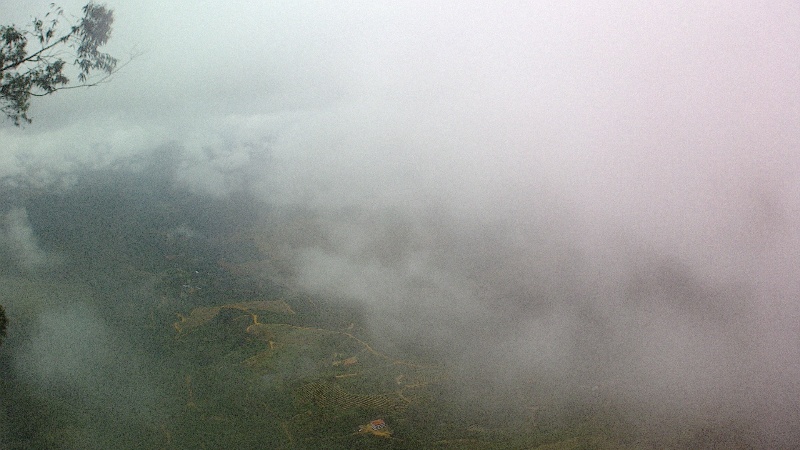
(40, 71)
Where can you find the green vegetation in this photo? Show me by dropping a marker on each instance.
(264, 370)
(3, 324)
(221, 362)
(162, 336)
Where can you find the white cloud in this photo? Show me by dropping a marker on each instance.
(19, 238)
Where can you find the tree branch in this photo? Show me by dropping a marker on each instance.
(42, 72)
(34, 56)
(103, 80)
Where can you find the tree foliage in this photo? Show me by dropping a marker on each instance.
(41, 70)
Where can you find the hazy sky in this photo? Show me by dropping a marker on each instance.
(677, 121)
(609, 128)
(650, 113)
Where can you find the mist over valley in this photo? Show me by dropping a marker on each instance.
(410, 226)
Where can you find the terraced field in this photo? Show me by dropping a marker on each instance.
(151, 334)
(332, 395)
(212, 356)
(319, 386)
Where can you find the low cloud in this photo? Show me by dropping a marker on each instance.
(596, 196)
(20, 242)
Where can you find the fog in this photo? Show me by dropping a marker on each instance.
(596, 198)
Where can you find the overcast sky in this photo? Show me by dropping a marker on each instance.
(672, 122)
(653, 112)
(678, 121)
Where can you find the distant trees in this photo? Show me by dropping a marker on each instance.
(40, 71)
